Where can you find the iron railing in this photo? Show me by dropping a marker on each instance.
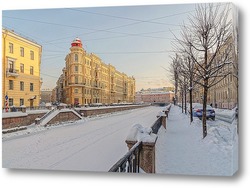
(156, 126)
(130, 162)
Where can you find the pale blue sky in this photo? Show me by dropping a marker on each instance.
(135, 39)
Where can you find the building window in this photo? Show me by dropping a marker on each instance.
(11, 101)
(76, 68)
(21, 86)
(76, 101)
(76, 90)
(31, 70)
(11, 84)
(76, 57)
(31, 87)
(11, 48)
(31, 55)
(21, 51)
(76, 79)
(11, 66)
(21, 102)
(21, 68)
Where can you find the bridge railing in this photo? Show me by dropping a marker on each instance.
(130, 162)
(133, 160)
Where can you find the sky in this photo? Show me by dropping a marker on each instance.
(135, 39)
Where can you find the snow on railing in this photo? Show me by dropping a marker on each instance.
(130, 162)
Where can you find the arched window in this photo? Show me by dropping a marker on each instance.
(76, 57)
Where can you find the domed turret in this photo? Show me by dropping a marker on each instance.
(77, 42)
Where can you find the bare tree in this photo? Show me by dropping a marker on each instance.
(175, 71)
(187, 70)
(205, 40)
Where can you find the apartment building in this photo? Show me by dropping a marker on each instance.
(155, 95)
(86, 79)
(21, 60)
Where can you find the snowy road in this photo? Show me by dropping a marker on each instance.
(92, 144)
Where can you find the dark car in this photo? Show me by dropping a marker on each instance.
(198, 111)
(236, 112)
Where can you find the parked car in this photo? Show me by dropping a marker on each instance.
(198, 109)
(236, 112)
(193, 105)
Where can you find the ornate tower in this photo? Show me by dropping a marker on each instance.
(74, 72)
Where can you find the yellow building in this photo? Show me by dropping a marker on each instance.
(21, 59)
(86, 79)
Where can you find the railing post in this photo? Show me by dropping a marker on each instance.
(163, 119)
(147, 154)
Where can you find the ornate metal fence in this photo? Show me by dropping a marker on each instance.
(130, 162)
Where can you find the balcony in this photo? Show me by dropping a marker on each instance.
(97, 87)
(12, 72)
(76, 84)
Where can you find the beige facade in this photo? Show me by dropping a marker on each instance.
(86, 79)
(225, 93)
(21, 59)
(162, 97)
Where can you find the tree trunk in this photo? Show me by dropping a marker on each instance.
(182, 101)
(191, 104)
(185, 98)
(204, 112)
(176, 90)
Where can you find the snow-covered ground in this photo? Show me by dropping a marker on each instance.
(181, 149)
(90, 144)
(96, 143)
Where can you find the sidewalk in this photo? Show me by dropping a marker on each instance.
(180, 149)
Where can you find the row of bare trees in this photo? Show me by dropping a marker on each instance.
(203, 50)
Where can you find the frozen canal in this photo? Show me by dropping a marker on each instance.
(91, 144)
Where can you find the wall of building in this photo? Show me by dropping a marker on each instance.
(17, 71)
(166, 97)
(86, 79)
